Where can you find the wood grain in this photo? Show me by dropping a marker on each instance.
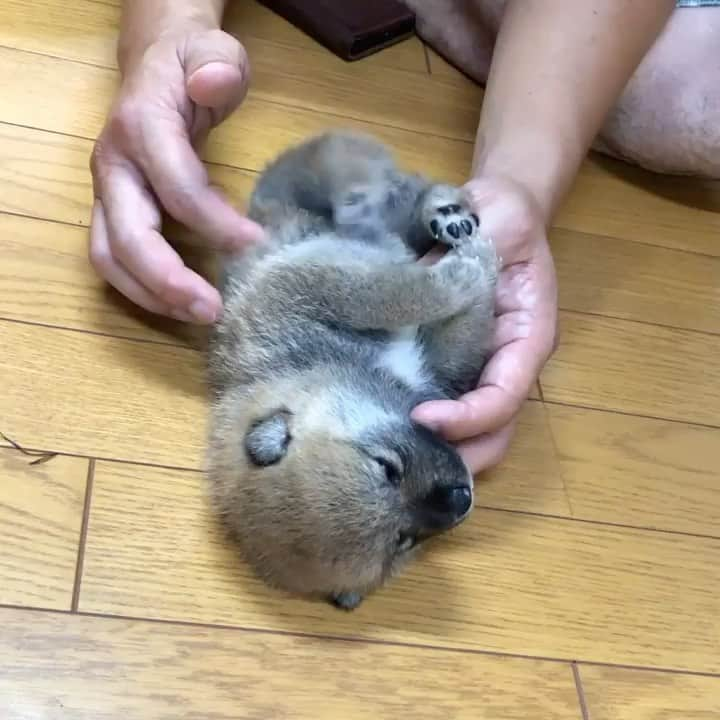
(530, 477)
(41, 509)
(618, 694)
(46, 277)
(205, 673)
(637, 257)
(635, 368)
(100, 396)
(109, 397)
(87, 31)
(250, 19)
(602, 202)
(504, 582)
(632, 281)
(617, 200)
(46, 175)
(637, 471)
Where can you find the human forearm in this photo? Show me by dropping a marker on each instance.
(144, 21)
(557, 69)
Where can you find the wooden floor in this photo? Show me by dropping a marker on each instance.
(587, 584)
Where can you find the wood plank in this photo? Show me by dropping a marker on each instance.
(632, 281)
(530, 477)
(45, 175)
(250, 19)
(260, 130)
(615, 199)
(635, 368)
(636, 471)
(45, 278)
(100, 396)
(41, 508)
(315, 80)
(46, 659)
(27, 28)
(619, 694)
(108, 397)
(504, 582)
(601, 203)
(83, 31)
(52, 94)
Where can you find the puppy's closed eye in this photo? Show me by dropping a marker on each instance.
(392, 469)
(268, 439)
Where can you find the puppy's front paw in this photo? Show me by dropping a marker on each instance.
(448, 217)
(483, 250)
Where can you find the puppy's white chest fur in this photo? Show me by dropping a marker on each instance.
(403, 357)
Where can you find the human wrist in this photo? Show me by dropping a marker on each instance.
(541, 163)
(145, 22)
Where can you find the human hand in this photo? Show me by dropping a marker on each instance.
(171, 96)
(482, 422)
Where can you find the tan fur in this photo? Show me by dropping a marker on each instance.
(332, 333)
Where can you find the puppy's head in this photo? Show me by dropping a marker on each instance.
(328, 492)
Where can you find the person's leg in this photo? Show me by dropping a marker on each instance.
(667, 119)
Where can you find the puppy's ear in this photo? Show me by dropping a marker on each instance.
(268, 439)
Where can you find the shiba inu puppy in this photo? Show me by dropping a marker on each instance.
(332, 333)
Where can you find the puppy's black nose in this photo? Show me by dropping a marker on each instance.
(450, 503)
(459, 500)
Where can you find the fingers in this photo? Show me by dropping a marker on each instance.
(216, 70)
(107, 266)
(132, 255)
(181, 183)
(484, 410)
(487, 451)
(524, 339)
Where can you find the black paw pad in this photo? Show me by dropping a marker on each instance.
(475, 218)
(467, 227)
(453, 230)
(435, 228)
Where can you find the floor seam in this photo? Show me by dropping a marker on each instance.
(556, 451)
(99, 333)
(467, 141)
(626, 413)
(580, 691)
(83, 535)
(361, 640)
(490, 508)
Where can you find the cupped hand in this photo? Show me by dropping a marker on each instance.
(145, 160)
(482, 422)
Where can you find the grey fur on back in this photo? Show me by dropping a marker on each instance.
(332, 333)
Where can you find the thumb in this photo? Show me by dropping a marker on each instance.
(216, 70)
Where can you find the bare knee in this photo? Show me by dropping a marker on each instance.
(668, 118)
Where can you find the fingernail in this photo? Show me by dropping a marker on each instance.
(181, 315)
(428, 419)
(202, 312)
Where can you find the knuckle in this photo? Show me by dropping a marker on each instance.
(180, 201)
(169, 288)
(124, 120)
(99, 157)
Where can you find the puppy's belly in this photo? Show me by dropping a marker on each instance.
(403, 357)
